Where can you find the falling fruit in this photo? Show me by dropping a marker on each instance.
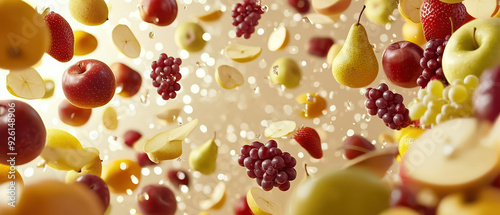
(280, 129)
(27, 84)
(217, 198)
(242, 53)
(228, 77)
(125, 41)
(110, 118)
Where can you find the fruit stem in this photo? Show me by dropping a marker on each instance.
(359, 18)
(305, 167)
(474, 38)
(451, 21)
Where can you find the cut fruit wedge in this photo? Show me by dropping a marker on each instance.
(168, 145)
(377, 162)
(316, 18)
(69, 159)
(169, 115)
(410, 9)
(27, 84)
(217, 198)
(228, 77)
(280, 129)
(330, 7)
(49, 88)
(242, 53)
(278, 39)
(110, 118)
(452, 1)
(125, 41)
(481, 8)
(211, 16)
(259, 203)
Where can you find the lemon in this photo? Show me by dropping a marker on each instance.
(408, 138)
(85, 43)
(58, 138)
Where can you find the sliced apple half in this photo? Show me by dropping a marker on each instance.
(259, 203)
(330, 7)
(278, 39)
(410, 9)
(242, 53)
(125, 41)
(280, 129)
(228, 77)
(481, 8)
(168, 145)
(217, 198)
(168, 116)
(27, 84)
(110, 118)
(211, 16)
(68, 158)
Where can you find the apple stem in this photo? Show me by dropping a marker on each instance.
(305, 167)
(359, 18)
(452, 29)
(474, 38)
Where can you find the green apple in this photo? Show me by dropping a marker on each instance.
(485, 201)
(285, 71)
(189, 36)
(347, 192)
(469, 51)
(378, 11)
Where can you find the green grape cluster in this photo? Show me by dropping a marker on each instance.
(437, 103)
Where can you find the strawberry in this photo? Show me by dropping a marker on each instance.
(435, 16)
(63, 40)
(309, 139)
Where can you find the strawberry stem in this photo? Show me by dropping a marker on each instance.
(359, 18)
(474, 38)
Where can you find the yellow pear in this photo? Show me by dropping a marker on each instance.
(204, 158)
(89, 12)
(94, 168)
(356, 65)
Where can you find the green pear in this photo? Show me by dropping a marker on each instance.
(356, 65)
(378, 11)
(189, 36)
(204, 158)
(347, 192)
(469, 51)
(285, 71)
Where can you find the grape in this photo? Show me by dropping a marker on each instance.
(266, 164)
(251, 173)
(271, 171)
(241, 159)
(178, 177)
(417, 110)
(281, 177)
(271, 144)
(435, 88)
(267, 185)
(246, 16)
(249, 162)
(258, 164)
(291, 173)
(263, 152)
(293, 162)
(256, 144)
(165, 75)
(458, 94)
(259, 181)
(275, 151)
(431, 63)
(254, 153)
(268, 176)
(285, 186)
(130, 137)
(471, 81)
(287, 157)
(387, 105)
(278, 162)
(245, 150)
(259, 173)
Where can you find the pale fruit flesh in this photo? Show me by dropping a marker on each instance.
(278, 39)
(125, 41)
(26, 84)
(242, 53)
(259, 203)
(228, 77)
(85, 43)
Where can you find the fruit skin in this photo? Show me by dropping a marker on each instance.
(357, 145)
(189, 36)
(89, 84)
(25, 37)
(485, 201)
(408, 139)
(378, 11)
(288, 72)
(401, 63)
(435, 15)
(461, 58)
(73, 115)
(301, 6)
(89, 12)
(204, 158)
(127, 78)
(29, 132)
(334, 9)
(486, 98)
(85, 43)
(63, 41)
(413, 32)
(160, 200)
(173, 176)
(352, 188)
(158, 12)
(309, 139)
(97, 185)
(319, 46)
(119, 179)
(242, 208)
(356, 65)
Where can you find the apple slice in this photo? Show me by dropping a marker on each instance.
(169, 115)
(211, 16)
(377, 162)
(451, 1)
(49, 88)
(481, 8)
(228, 77)
(330, 7)
(217, 198)
(278, 39)
(410, 9)
(280, 129)
(316, 18)
(258, 202)
(242, 53)
(27, 84)
(449, 157)
(168, 145)
(69, 158)
(110, 118)
(125, 41)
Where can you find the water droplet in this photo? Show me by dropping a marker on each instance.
(275, 69)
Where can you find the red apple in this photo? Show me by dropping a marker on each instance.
(158, 12)
(156, 199)
(357, 145)
(178, 177)
(131, 137)
(242, 208)
(487, 95)
(302, 6)
(73, 115)
(97, 185)
(89, 84)
(127, 79)
(401, 63)
(143, 160)
(319, 46)
(21, 131)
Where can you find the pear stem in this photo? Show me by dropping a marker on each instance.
(215, 134)
(474, 38)
(359, 18)
(305, 167)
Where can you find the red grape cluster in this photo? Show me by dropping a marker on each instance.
(388, 106)
(246, 16)
(431, 62)
(166, 75)
(268, 165)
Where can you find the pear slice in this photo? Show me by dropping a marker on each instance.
(168, 145)
(69, 158)
(242, 53)
(278, 39)
(316, 18)
(410, 9)
(49, 88)
(217, 198)
(110, 118)
(280, 129)
(211, 16)
(228, 77)
(330, 7)
(125, 41)
(481, 8)
(259, 203)
(27, 84)
(169, 116)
